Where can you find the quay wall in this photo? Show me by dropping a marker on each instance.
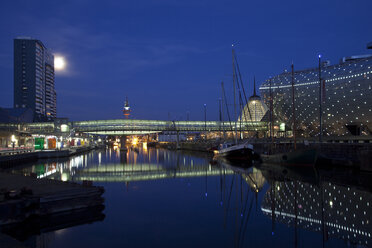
(22, 157)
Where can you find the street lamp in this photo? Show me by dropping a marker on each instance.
(320, 100)
(205, 117)
(14, 140)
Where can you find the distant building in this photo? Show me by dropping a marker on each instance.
(34, 78)
(255, 110)
(171, 137)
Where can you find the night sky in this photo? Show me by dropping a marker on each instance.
(170, 56)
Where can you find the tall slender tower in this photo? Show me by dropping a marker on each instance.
(34, 78)
(126, 109)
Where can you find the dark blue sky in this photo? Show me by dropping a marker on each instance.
(170, 56)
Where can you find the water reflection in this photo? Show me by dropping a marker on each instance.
(128, 166)
(326, 205)
(240, 206)
(38, 232)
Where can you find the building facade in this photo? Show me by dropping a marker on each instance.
(255, 109)
(346, 100)
(34, 78)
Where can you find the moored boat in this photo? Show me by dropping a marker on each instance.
(303, 157)
(235, 151)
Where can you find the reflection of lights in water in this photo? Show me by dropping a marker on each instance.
(135, 158)
(99, 157)
(144, 146)
(64, 177)
(48, 173)
(134, 141)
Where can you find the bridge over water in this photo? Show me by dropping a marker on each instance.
(130, 127)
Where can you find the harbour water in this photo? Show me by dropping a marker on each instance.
(162, 198)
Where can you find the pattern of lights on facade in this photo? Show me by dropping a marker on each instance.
(345, 210)
(345, 88)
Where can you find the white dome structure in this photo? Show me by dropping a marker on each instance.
(255, 110)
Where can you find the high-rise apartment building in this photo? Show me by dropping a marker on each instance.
(34, 78)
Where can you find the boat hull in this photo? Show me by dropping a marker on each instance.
(238, 154)
(295, 158)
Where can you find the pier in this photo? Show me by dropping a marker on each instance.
(23, 197)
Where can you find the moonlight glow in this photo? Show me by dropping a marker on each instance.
(59, 63)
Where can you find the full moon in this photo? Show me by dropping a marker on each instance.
(59, 63)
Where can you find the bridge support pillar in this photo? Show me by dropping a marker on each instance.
(123, 142)
(178, 141)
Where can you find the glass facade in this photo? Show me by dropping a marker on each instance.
(346, 98)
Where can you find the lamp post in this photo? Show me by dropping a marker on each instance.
(205, 117)
(320, 101)
(13, 139)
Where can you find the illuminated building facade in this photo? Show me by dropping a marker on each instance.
(255, 110)
(34, 78)
(346, 98)
(337, 211)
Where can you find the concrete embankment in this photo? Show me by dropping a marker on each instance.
(357, 155)
(22, 197)
(190, 146)
(11, 159)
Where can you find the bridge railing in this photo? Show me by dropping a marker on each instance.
(137, 126)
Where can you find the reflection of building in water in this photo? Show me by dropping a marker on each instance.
(347, 211)
(154, 165)
(143, 172)
(255, 179)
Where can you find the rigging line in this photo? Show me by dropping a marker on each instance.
(245, 208)
(241, 82)
(246, 221)
(227, 107)
(255, 184)
(228, 201)
(240, 77)
(241, 102)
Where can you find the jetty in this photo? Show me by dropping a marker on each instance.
(24, 197)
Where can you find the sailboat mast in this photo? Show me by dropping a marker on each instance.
(320, 101)
(271, 117)
(222, 113)
(234, 76)
(293, 109)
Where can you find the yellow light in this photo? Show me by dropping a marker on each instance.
(64, 177)
(59, 63)
(135, 141)
(144, 146)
